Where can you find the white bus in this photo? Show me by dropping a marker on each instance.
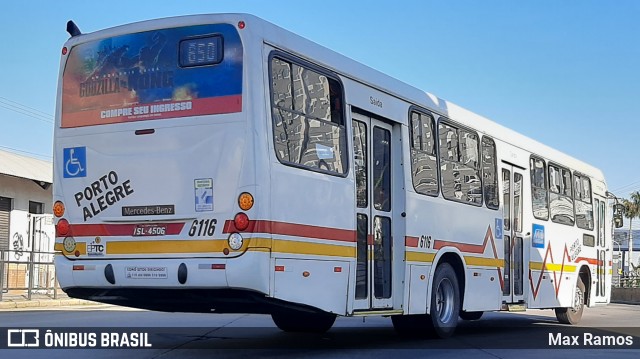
(219, 163)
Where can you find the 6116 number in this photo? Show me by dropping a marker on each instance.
(203, 227)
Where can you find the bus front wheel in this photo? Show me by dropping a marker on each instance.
(573, 315)
(295, 321)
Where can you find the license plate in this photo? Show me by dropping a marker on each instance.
(143, 230)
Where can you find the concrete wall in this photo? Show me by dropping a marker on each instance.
(627, 295)
(21, 191)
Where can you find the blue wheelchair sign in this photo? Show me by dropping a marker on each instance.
(75, 162)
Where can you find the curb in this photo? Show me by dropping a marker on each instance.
(43, 303)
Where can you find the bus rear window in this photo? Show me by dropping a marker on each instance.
(150, 75)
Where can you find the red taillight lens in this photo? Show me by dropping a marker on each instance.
(241, 221)
(62, 228)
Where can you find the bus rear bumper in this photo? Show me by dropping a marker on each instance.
(165, 283)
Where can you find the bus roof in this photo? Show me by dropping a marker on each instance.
(356, 71)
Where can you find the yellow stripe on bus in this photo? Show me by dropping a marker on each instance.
(295, 247)
(81, 248)
(166, 246)
(484, 262)
(552, 267)
(420, 257)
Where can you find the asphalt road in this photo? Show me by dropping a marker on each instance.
(533, 334)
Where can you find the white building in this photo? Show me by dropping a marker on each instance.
(26, 221)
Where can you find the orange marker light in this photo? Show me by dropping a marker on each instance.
(58, 209)
(245, 201)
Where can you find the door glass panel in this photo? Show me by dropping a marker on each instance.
(361, 260)
(381, 169)
(382, 257)
(360, 162)
(517, 266)
(517, 202)
(507, 266)
(506, 198)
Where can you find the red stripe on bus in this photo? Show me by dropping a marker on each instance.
(411, 241)
(591, 261)
(199, 107)
(106, 230)
(293, 229)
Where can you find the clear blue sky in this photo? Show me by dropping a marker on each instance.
(566, 73)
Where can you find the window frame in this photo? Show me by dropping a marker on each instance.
(545, 188)
(583, 176)
(561, 191)
(495, 172)
(450, 123)
(422, 113)
(345, 152)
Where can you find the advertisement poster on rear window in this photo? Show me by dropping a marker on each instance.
(167, 73)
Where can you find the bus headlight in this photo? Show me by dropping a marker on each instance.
(235, 241)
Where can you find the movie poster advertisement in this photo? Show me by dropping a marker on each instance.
(168, 73)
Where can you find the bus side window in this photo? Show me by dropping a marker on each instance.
(540, 194)
(561, 196)
(490, 173)
(424, 170)
(583, 206)
(459, 164)
(308, 120)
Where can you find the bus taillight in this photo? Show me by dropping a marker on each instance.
(62, 228)
(241, 221)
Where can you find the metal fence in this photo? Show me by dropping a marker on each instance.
(32, 272)
(627, 281)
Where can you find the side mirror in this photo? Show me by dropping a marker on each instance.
(618, 215)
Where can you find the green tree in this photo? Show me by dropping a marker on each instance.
(631, 211)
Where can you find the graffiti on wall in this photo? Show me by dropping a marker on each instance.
(18, 245)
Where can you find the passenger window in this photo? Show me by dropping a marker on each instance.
(459, 164)
(307, 113)
(490, 173)
(583, 202)
(540, 194)
(424, 170)
(561, 196)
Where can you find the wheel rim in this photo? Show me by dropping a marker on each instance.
(444, 300)
(577, 300)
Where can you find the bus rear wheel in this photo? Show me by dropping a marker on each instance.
(296, 321)
(573, 315)
(445, 301)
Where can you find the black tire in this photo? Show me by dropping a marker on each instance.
(470, 315)
(445, 301)
(295, 321)
(573, 315)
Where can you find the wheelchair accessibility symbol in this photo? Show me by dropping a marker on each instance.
(75, 162)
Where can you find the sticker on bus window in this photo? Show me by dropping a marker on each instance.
(204, 194)
(537, 240)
